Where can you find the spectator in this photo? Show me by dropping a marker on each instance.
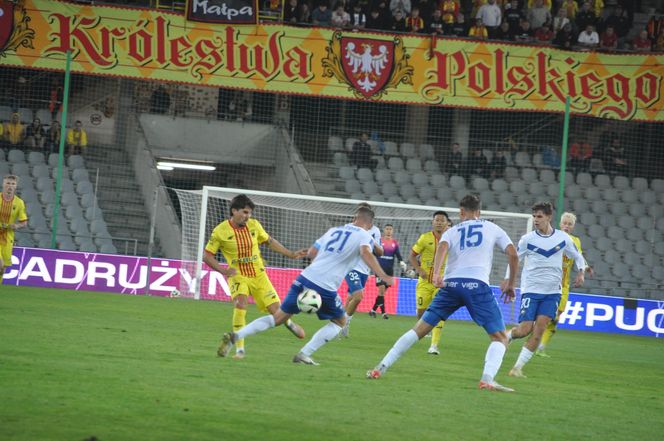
(513, 14)
(547, 3)
(454, 160)
(340, 18)
(655, 27)
(524, 32)
(321, 16)
(449, 10)
(616, 163)
(504, 32)
(478, 31)
(425, 7)
(77, 139)
(550, 157)
(291, 12)
(436, 23)
(588, 39)
(585, 17)
(538, 15)
(560, 20)
(491, 16)
(35, 135)
(596, 6)
(565, 37)
(55, 99)
(609, 39)
(498, 165)
(414, 23)
(620, 23)
(304, 15)
(544, 34)
(376, 20)
(357, 19)
(360, 156)
(160, 102)
(659, 43)
(580, 154)
(398, 22)
(459, 28)
(477, 165)
(571, 8)
(53, 137)
(14, 131)
(400, 5)
(642, 43)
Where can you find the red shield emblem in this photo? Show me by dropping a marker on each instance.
(6, 22)
(367, 63)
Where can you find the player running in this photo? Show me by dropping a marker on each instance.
(567, 223)
(12, 217)
(543, 249)
(356, 279)
(470, 248)
(390, 252)
(334, 254)
(425, 248)
(238, 239)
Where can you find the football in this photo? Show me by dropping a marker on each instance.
(175, 293)
(309, 301)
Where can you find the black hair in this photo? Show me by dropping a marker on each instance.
(544, 207)
(441, 213)
(241, 201)
(470, 202)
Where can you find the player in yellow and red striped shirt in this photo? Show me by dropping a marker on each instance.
(12, 218)
(238, 239)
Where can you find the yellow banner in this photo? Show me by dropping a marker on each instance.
(152, 45)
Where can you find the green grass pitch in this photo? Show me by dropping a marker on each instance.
(78, 365)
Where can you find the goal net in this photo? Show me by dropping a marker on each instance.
(297, 221)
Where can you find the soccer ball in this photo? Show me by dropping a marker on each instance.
(175, 293)
(309, 301)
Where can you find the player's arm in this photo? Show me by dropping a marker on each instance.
(370, 259)
(275, 245)
(17, 225)
(416, 264)
(378, 248)
(508, 288)
(441, 254)
(521, 251)
(212, 262)
(397, 254)
(573, 252)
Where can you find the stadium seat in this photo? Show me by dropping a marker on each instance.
(480, 184)
(437, 180)
(610, 195)
(618, 208)
(547, 176)
(21, 169)
(538, 161)
(335, 144)
(73, 211)
(383, 175)
(629, 196)
(612, 257)
(552, 190)
(364, 175)
(69, 198)
(395, 164)
(47, 197)
(584, 179)
(586, 218)
(53, 160)
(655, 210)
(40, 171)
(35, 158)
(347, 173)
(395, 199)
(380, 161)
(76, 161)
(642, 247)
(657, 273)
(457, 182)
(420, 180)
(407, 150)
(26, 115)
(522, 159)
(340, 159)
(351, 186)
(5, 113)
(635, 235)
(596, 166)
(80, 227)
(645, 223)
(595, 231)
(529, 175)
(16, 156)
(407, 190)
(581, 206)
(425, 193)
(499, 185)
(505, 199)
(91, 213)
(591, 193)
(624, 245)
(88, 247)
(432, 202)
(599, 208)
(44, 116)
(413, 200)
(511, 173)
(402, 177)
(621, 183)
(65, 172)
(636, 209)
(370, 188)
(374, 146)
(427, 152)
(414, 165)
(4, 167)
(603, 181)
(487, 197)
(614, 232)
(626, 222)
(640, 184)
(391, 148)
(648, 197)
(388, 189)
(358, 196)
(657, 185)
(85, 187)
(518, 187)
(432, 166)
(108, 248)
(444, 194)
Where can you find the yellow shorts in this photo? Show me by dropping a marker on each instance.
(424, 293)
(6, 253)
(563, 300)
(259, 287)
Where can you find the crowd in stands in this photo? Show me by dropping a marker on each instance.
(571, 24)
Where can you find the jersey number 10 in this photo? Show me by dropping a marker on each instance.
(470, 236)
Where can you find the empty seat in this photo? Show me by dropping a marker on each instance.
(73, 211)
(21, 169)
(351, 186)
(499, 185)
(635, 234)
(629, 196)
(420, 180)
(5, 113)
(624, 245)
(529, 175)
(615, 232)
(595, 231)
(402, 177)
(53, 160)
(383, 175)
(603, 181)
(621, 183)
(552, 190)
(395, 164)
(547, 176)
(40, 171)
(65, 172)
(511, 173)
(35, 158)
(581, 206)
(432, 166)
(44, 116)
(388, 189)
(437, 180)
(522, 159)
(618, 208)
(642, 247)
(505, 199)
(538, 161)
(407, 190)
(425, 193)
(626, 222)
(433, 202)
(480, 184)
(645, 223)
(358, 196)
(339, 159)
(344, 173)
(657, 185)
(444, 194)
(648, 197)
(591, 193)
(407, 150)
(518, 187)
(108, 248)
(610, 195)
(395, 199)
(76, 161)
(391, 148)
(370, 188)
(364, 175)
(457, 182)
(335, 144)
(414, 200)
(640, 184)
(69, 198)
(584, 179)
(427, 152)
(15, 156)
(587, 218)
(414, 165)
(25, 114)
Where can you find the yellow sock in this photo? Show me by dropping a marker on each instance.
(548, 333)
(239, 322)
(435, 334)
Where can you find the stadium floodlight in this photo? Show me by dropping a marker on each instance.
(165, 167)
(185, 165)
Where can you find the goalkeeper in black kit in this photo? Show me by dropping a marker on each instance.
(390, 255)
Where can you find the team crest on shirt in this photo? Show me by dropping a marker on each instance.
(14, 29)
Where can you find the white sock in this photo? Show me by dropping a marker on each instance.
(509, 336)
(524, 357)
(348, 319)
(259, 325)
(541, 347)
(493, 360)
(322, 336)
(400, 347)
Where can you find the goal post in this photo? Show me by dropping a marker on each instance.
(298, 220)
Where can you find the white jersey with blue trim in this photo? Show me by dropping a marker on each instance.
(362, 267)
(543, 269)
(470, 252)
(338, 253)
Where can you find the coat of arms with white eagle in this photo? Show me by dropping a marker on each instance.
(368, 66)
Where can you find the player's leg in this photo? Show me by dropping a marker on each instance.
(5, 259)
(424, 294)
(331, 309)
(356, 282)
(547, 306)
(380, 298)
(551, 327)
(527, 315)
(240, 297)
(441, 308)
(267, 300)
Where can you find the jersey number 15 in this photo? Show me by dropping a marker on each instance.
(471, 236)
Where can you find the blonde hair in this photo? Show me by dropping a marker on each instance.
(10, 177)
(569, 216)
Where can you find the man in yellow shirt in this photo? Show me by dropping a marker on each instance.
(14, 131)
(425, 248)
(77, 139)
(567, 223)
(12, 218)
(238, 239)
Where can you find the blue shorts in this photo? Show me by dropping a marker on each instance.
(533, 305)
(475, 295)
(356, 281)
(331, 308)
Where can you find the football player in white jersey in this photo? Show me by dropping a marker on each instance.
(468, 247)
(335, 253)
(541, 280)
(356, 279)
